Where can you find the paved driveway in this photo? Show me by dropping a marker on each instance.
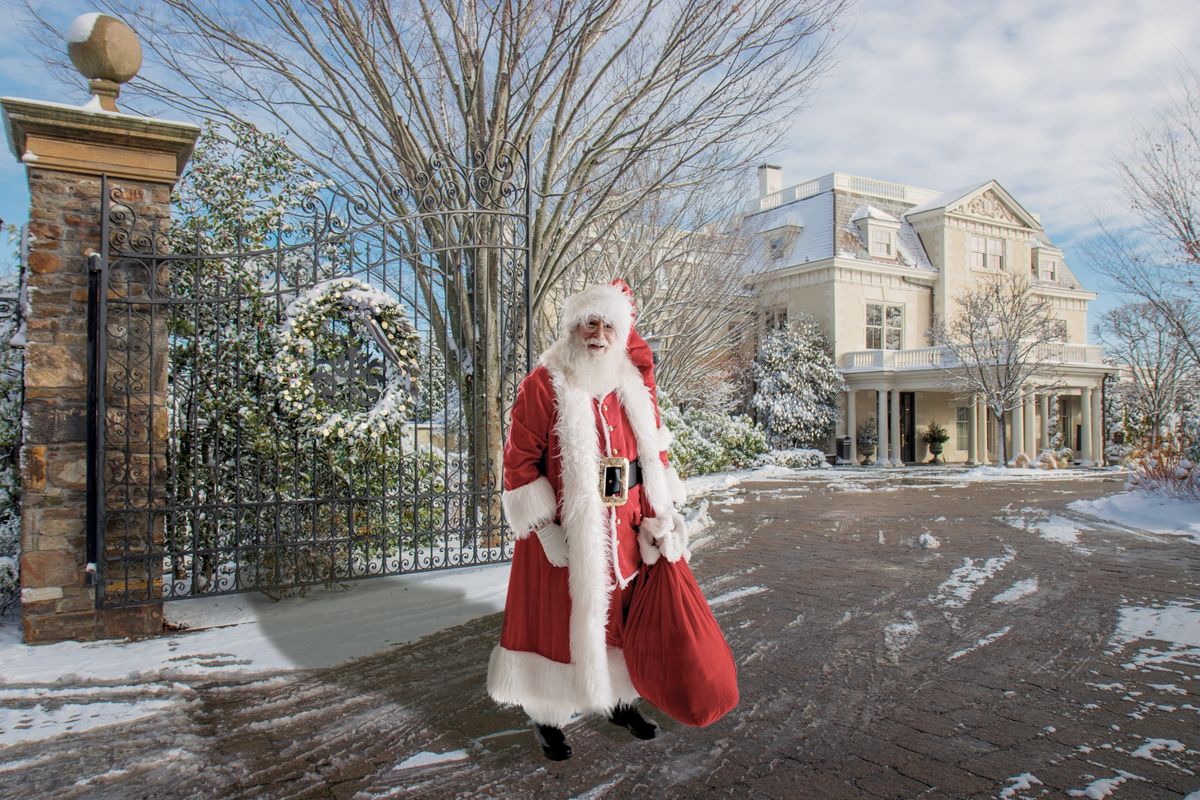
(1005, 653)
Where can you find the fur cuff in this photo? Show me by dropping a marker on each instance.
(529, 507)
(676, 488)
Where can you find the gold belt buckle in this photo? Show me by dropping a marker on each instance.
(609, 480)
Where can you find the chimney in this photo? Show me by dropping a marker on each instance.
(770, 179)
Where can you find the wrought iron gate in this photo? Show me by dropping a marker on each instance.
(203, 478)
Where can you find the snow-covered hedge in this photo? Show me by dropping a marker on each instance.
(799, 385)
(709, 441)
(800, 458)
(10, 434)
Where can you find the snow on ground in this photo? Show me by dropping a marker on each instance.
(736, 594)
(1020, 783)
(258, 635)
(425, 759)
(1053, 527)
(1177, 624)
(1103, 787)
(983, 642)
(1022, 588)
(1145, 512)
(927, 541)
(899, 635)
(964, 581)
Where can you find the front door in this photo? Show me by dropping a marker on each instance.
(908, 427)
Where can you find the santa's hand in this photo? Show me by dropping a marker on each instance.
(674, 541)
(554, 543)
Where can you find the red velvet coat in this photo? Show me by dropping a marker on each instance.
(554, 657)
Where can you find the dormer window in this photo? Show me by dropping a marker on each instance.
(883, 243)
(780, 239)
(879, 231)
(1045, 262)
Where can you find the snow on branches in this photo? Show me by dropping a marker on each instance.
(798, 385)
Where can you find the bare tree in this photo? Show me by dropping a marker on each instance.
(1002, 341)
(1158, 261)
(368, 90)
(1136, 336)
(687, 267)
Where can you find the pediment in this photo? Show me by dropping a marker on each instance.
(995, 205)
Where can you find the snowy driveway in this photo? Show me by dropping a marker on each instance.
(916, 635)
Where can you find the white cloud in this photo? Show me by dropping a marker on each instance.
(1038, 95)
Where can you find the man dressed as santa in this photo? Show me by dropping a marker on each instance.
(586, 473)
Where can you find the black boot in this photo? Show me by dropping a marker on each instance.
(631, 719)
(553, 742)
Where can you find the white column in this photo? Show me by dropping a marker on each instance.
(972, 437)
(1085, 428)
(895, 429)
(851, 427)
(1030, 422)
(1045, 402)
(981, 434)
(881, 447)
(1018, 429)
(1097, 428)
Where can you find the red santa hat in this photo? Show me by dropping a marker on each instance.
(609, 303)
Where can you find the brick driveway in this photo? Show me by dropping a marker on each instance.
(870, 666)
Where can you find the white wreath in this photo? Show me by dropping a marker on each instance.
(302, 331)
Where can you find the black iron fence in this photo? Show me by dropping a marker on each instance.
(319, 402)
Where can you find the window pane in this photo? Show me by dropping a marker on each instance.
(874, 314)
(893, 339)
(962, 424)
(873, 340)
(895, 314)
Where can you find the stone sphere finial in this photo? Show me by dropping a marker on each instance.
(107, 52)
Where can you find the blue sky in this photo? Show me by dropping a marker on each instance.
(1038, 94)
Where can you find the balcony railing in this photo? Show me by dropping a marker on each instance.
(933, 357)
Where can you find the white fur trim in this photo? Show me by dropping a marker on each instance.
(549, 691)
(676, 487)
(607, 302)
(589, 546)
(665, 437)
(649, 531)
(639, 408)
(529, 507)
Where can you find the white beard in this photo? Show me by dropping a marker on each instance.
(596, 372)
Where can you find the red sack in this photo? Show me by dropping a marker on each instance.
(676, 654)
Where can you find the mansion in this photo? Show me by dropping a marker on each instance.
(876, 262)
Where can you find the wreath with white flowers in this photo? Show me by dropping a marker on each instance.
(305, 334)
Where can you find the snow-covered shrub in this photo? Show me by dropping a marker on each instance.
(1117, 453)
(799, 458)
(1047, 459)
(799, 385)
(1166, 471)
(1065, 456)
(707, 441)
(10, 440)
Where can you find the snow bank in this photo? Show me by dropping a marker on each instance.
(1145, 512)
(1017, 591)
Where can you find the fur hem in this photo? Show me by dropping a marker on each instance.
(529, 507)
(549, 691)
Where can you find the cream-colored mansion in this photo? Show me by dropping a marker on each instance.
(875, 262)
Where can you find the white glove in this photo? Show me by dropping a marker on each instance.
(554, 543)
(664, 536)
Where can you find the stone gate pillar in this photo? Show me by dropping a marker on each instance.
(66, 151)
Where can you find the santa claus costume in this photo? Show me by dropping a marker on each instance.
(560, 646)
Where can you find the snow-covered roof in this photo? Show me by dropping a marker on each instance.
(811, 221)
(871, 212)
(946, 198)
